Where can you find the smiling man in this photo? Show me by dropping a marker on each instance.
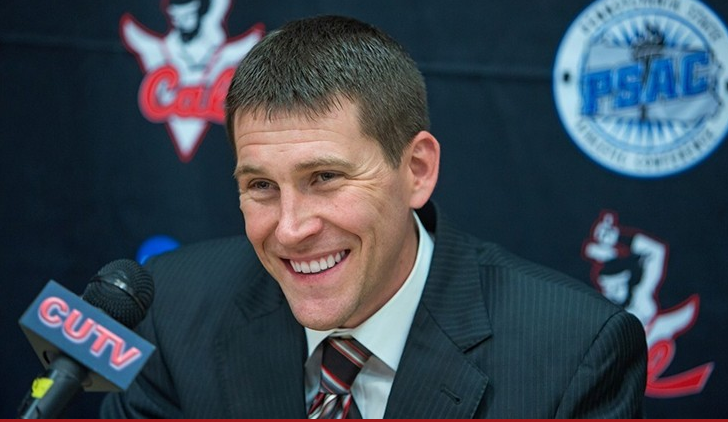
(350, 295)
(328, 216)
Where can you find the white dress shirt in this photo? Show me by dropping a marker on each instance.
(384, 334)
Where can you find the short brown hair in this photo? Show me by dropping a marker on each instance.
(307, 66)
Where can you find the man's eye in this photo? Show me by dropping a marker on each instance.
(260, 185)
(326, 176)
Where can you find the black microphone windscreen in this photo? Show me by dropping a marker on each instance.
(123, 290)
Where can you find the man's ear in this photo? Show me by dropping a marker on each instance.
(422, 164)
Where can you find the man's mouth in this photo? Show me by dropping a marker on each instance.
(318, 265)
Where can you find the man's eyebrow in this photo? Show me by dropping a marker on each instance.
(245, 170)
(324, 162)
(316, 163)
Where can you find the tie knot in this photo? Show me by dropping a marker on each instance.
(341, 361)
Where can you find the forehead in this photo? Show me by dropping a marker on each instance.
(299, 143)
(342, 119)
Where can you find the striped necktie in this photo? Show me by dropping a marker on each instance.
(341, 361)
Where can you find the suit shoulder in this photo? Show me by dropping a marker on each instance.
(211, 268)
(512, 273)
(209, 255)
(204, 249)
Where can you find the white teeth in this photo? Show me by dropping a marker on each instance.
(316, 266)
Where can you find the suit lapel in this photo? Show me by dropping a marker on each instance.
(436, 377)
(272, 384)
(434, 380)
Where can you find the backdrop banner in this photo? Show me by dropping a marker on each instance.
(584, 135)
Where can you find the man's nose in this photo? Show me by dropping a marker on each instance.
(298, 219)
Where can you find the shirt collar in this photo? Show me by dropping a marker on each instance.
(395, 317)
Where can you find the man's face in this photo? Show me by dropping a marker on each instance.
(328, 217)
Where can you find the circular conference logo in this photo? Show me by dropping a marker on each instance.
(641, 85)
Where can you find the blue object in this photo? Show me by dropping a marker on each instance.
(155, 245)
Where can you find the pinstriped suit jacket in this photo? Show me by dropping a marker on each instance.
(494, 336)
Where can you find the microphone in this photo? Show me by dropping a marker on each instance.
(87, 342)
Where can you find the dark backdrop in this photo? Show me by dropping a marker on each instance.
(86, 179)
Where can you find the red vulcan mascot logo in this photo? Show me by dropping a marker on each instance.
(188, 69)
(629, 267)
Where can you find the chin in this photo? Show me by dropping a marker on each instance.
(317, 323)
(315, 319)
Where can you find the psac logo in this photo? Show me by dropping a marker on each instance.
(640, 85)
(628, 267)
(188, 69)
